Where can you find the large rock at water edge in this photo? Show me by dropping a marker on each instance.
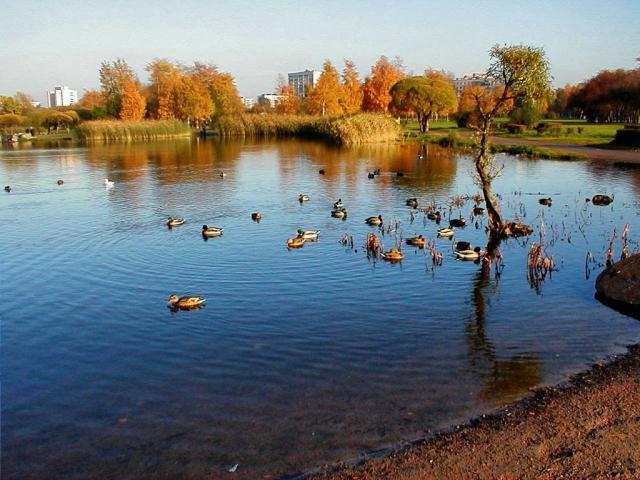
(619, 285)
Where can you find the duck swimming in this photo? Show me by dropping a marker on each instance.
(256, 216)
(601, 200)
(437, 216)
(546, 201)
(418, 241)
(296, 242)
(60, 182)
(412, 202)
(445, 232)
(393, 255)
(457, 222)
(222, 174)
(212, 231)
(338, 204)
(108, 183)
(371, 175)
(186, 303)
(7, 188)
(308, 234)
(374, 221)
(174, 222)
(474, 254)
(339, 212)
(303, 198)
(478, 210)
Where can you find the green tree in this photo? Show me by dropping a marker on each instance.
(426, 97)
(114, 77)
(523, 74)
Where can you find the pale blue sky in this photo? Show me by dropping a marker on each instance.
(47, 43)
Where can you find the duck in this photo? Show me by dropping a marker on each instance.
(462, 245)
(339, 212)
(445, 232)
(393, 255)
(296, 242)
(338, 204)
(546, 201)
(412, 202)
(321, 171)
(60, 182)
(601, 200)
(371, 175)
(399, 174)
(457, 222)
(108, 183)
(7, 188)
(377, 172)
(478, 210)
(174, 222)
(256, 216)
(474, 254)
(437, 216)
(374, 221)
(303, 198)
(212, 231)
(186, 302)
(222, 174)
(416, 241)
(308, 234)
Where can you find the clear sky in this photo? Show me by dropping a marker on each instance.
(48, 43)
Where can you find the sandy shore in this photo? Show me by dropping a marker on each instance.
(588, 427)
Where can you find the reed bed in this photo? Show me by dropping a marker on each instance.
(347, 130)
(129, 131)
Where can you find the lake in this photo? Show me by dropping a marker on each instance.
(299, 357)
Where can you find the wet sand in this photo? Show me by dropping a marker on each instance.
(588, 427)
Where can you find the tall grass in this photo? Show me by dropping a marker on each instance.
(351, 129)
(127, 131)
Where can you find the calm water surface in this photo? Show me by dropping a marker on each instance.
(300, 357)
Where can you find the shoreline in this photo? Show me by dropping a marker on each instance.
(580, 428)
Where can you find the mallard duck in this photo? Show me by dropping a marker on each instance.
(445, 232)
(174, 222)
(296, 242)
(186, 302)
(478, 210)
(303, 198)
(412, 202)
(108, 183)
(546, 201)
(374, 221)
(601, 200)
(474, 254)
(457, 222)
(60, 182)
(393, 255)
(256, 216)
(222, 174)
(371, 175)
(462, 245)
(416, 241)
(339, 212)
(7, 188)
(212, 231)
(437, 216)
(308, 234)
(338, 204)
(321, 171)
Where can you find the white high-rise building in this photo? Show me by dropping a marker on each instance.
(61, 97)
(479, 79)
(300, 80)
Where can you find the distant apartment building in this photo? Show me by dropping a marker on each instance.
(248, 102)
(480, 79)
(272, 98)
(61, 97)
(300, 81)
(35, 104)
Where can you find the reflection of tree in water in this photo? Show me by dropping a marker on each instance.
(505, 379)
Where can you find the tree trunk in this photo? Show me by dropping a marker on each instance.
(483, 169)
(423, 121)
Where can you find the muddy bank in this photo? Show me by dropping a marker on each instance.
(588, 427)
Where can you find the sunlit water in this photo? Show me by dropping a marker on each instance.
(300, 357)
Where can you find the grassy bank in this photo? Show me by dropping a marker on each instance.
(127, 131)
(347, 130)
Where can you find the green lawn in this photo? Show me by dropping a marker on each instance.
(573, 132)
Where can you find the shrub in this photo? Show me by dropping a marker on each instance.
(515, 128)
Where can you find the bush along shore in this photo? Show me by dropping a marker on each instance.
(128, 131)
(346, 130)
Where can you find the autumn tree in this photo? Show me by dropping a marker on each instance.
(92, 99)
(221, 86)
(425, 97)
(25, 100)
(377, 86)
(326, 96)
(10, 105)
(11, 120)
(114, 77)
(132, 103)
(523, 74)
(164, 77)
(351, 100)
(192, 102)
(289, 103)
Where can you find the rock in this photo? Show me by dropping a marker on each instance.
(618, 286)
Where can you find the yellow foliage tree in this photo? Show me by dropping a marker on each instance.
(132, 103)
(352, 89)
(193, 103)
(326, 96)
(221, 87)
(164, 77)
(290, 103)
(377, 87)
(92, 99)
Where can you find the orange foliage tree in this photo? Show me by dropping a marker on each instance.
(221, 87)
(325, 98)
(164, 78)
(193, 103)
(132, 103)
(92, 99)
(377, 87)
(351, 100)
(289, 103)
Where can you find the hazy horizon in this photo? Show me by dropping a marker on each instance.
(45, 47)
